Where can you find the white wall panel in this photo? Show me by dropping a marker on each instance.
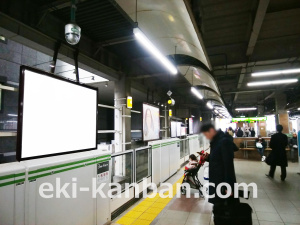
(12, 192)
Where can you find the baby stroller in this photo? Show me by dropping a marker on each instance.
(191, 177)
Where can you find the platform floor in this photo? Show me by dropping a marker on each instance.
(278, 202)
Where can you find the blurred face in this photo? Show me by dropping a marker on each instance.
(210, 134)
(294, 135)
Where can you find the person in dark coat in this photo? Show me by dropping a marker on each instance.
(277, 157)
(239, 132)
(221, 166)
(252, 132)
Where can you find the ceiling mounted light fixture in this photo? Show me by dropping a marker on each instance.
(196, 92)
(272, 82)
(246, 109)
(209, 105)
(275, 72)
(141, 37)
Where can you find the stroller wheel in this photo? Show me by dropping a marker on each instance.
(183, 190)
(201, 194)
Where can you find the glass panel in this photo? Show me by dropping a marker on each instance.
(143, 164)
(187, 150)
(182, 147)
(8, 124)
(122, 169)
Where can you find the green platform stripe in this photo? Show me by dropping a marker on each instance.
(12, 182)
(155, 146)
(64, 170)
(11, 176)
(66, 164)
(168, 143)
(165, 144)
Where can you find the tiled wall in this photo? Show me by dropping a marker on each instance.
(12, 55)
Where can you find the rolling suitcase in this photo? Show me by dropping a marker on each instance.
(237, 214)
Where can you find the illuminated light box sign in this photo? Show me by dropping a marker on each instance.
(173, 128)
(151, 122)
(129, 102)
(56, 116)
(249, 119)
(191, 131)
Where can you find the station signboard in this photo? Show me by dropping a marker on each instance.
(249, 119)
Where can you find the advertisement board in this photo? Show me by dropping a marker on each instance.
(151, 122)
(191, 126)
(56, 116)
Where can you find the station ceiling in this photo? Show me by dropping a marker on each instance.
(248, 36)
(240, 37)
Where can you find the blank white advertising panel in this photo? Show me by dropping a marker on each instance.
(151, 122)
(178, 126)
(173, 128)
(191, 131)
(57, 116)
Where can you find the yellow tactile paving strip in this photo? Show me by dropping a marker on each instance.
(147, 210)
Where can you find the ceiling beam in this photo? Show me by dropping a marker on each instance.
(273, 62)
(117, 41)
(240, 82)
(259, 18)
(245, 92)
(56, 5)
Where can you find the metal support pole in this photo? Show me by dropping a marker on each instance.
(76, 65)
(54, 59)
(166, 124)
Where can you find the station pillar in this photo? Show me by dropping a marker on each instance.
(281, 114)
(122, 114)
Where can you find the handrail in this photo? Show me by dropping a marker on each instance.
(122, 153)
(142, 148)
(107, 131)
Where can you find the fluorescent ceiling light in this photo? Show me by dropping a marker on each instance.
(298, 108)
(141, 37)
(13, 115)
(246, 109)
(196, 92)
(275, 72)
(209, 105)
(272, 82)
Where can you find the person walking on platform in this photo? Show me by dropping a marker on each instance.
(277, 157)
(221, 167)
